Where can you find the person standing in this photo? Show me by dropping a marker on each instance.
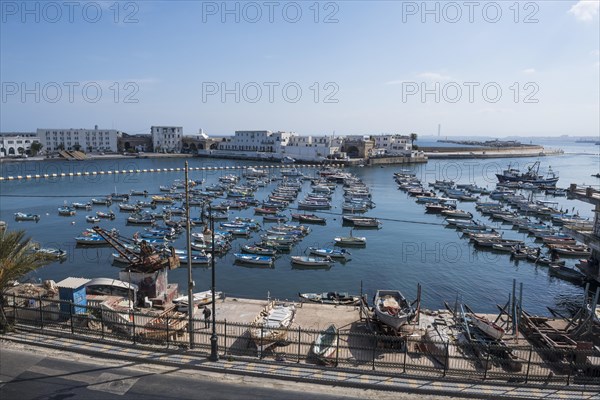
(206, 314)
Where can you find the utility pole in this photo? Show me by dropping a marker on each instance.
(214, 350)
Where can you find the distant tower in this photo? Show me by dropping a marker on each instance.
(439, 130)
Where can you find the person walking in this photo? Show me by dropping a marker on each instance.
(206, 314)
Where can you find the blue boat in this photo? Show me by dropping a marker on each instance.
(253, 259)
(333, 253)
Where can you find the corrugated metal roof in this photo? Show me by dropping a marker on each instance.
(72, 283)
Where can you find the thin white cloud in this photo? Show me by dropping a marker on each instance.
(529, 71)
(396, 82)
(595, 53)
(434, 76)
(585, 10)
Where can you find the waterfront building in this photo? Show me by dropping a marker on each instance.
(255, 141)
(395, 145)
(167, 139)
(13, 144)
(312, 148)
(134, 143)
(88, 140)
(358, 146)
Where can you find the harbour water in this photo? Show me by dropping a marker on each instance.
(412, 247)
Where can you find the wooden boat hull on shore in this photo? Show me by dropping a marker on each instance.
(271, 325)
(325, 345)
(392, 308)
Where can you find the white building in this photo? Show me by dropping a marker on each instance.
(88, 140)
(16, 144)
(392, 145)
(256, 141)
(312, 148)
(167, 139)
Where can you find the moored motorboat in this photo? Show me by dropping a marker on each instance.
(333, 253)
(253, 259)
(66, 211)
(566, 273)
(261, 251)
(357, 241)
(92, 219)
(51, 252)
(337, 298)
(19, 216)
(312, 261)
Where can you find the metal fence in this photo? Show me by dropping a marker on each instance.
(355, 348)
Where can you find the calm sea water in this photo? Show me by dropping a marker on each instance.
(411, 248)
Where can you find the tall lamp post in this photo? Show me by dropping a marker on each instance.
(189, 260)
(214, 346)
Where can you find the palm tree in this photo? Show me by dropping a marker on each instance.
(16, 260)
(413, 137)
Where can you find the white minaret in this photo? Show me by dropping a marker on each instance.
(439, 130)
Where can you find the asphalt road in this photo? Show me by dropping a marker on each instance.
(40, 374)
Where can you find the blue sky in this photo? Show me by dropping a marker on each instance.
(376, 67)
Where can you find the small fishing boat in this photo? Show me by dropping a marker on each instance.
(66, 211)
(51, 252)
(458, 214)
(506, 248)
(367, 223)
(435, 341)
(309, 218)
(392, 308)
(265, 210)
(105, 202)
(199, 299)
(196, 259)
(253, 259)
(573, 251)
(271, 325)
(140, 219)
(126, 207)
(108, 215)
(138, 193)
(333, 253)
(486, 326)
(92, 219)
(275, 218)
(330, 298)
(350, 240)
(261, 251)
(83, 206)
(326, 345)
(26, 217)
(91, 240)
(566, 273)
(312, 261)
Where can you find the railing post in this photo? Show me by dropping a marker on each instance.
(405, 355)
(528, 363)
(299, 338)
(71, 315)
(102, 321)
(167, 322)
(374, 349)
(260, 344)
(337, 349)
(446, 358)
(571, 358)
(133, 328)
(487, 361)
(225, 337)
(41, 313)
(15, 308)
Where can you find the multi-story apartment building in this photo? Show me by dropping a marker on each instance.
(167, 139)
(88, 140)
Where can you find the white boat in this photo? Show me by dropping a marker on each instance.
(199, 299)
(392, 308)
(436, 342)
(326, 344)
(52, 252)
(66, 211)
(488, 327)
(312, 261)
(367, 223)
(92, 219)
(91, 240)
(271, 324)
(26, 217)
(253, 259)
(350, 240)
(333, 253)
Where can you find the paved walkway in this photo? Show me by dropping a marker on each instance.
(299, 372)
